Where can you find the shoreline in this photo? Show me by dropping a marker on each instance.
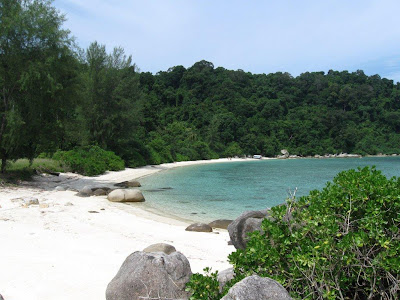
(71, 247)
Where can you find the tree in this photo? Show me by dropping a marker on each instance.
(111, 108)
(36, 73)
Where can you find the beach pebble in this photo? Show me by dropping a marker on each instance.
(160, 247)
(153, 275)
(68, 204)
(221, 223)
(31, 201)
(128, 195)
(60, 188)
(16, 200)
(255, 288)
(199, 227)
(44, 205)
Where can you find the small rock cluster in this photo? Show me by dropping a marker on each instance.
(160, 272)
(123, 194)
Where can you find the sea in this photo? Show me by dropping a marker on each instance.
(203, 193)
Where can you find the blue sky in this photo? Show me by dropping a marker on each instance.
(256, 36)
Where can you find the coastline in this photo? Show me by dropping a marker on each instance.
(71, 247)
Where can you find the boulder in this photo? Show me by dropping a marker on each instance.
(151, 276)
(128, 184)
(199, 227)
(160, 247)
(86, 190)
(224, 277)
(99, 192)
(116, 196)
(131, 195)
(247, 222)
(285, 153)
(221, 223)
(257, 288)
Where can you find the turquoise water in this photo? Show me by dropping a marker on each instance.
(224, 190)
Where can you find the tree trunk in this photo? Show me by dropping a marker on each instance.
(3, 163)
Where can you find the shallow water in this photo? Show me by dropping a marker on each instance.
(224, 190)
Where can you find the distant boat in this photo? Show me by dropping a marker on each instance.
(257, 156)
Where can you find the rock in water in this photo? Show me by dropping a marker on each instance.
(222, 223)
(199, 227)
(160, 247)
(151, 276)
(130, 195)
(257, 288)
(247, 222)
(128, 184)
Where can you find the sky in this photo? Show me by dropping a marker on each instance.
(258, 36)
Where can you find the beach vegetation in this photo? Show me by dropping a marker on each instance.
(90, 160)
(55, 96)
(342, 242)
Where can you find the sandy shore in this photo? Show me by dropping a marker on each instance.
(70, 247)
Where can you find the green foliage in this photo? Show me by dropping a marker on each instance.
(204, 287)
(90, 160)
(339, 243)
(56, 97)
(38, 72)
(23, 169)
(233, 150)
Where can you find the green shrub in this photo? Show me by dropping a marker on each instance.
(90, 160)
(339, 243)
(204, 287)
(136, 160)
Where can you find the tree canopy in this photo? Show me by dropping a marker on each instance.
(56, 96)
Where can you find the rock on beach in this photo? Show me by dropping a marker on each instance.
(128, 195)
(257, 288)
(199, 227)
(160, 247)
(154, 275)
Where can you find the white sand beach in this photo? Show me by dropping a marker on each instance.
(69, 247)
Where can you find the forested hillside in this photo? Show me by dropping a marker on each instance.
(55, 96)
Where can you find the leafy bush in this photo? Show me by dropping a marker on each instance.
(204, 287)
(90, 160)
(136, 160)
(339, 243)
